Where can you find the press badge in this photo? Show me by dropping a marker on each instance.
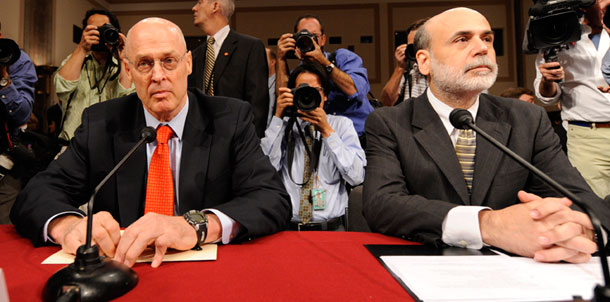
(318, 195)
(319, 199)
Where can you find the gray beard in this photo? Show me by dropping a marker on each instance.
(455, 81)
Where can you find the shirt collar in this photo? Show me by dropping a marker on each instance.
(443, 110)
(221, 35)
(177, 123)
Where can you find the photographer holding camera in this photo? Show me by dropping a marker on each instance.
(575, 80)
(406, 81)
(92, 73)
(17, 80)
(349, 79)
(316, 154)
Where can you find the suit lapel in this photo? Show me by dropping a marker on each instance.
(130, 177)
(196, 141)
(224, 56)
(489, 118)
(430, 133)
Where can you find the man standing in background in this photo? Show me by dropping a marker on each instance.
(577, 83)
(229, 63)
(406, 81)
(92, 73)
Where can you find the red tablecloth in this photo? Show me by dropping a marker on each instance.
(288, 266)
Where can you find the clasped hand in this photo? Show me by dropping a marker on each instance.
(546, 229)
(152, 229)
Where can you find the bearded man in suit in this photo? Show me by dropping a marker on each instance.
(418, 187)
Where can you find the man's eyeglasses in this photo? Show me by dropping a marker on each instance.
(145, 65)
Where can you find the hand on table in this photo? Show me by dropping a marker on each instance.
(546, 229)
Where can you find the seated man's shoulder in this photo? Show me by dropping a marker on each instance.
(513, 107)
(217, 106)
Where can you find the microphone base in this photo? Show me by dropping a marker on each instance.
(601, 294)
(93, 277)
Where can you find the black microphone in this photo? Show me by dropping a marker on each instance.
(95, 277)
(462, 119)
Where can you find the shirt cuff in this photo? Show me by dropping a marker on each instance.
(230, 228)
(45, 229)
(551, 99)
(461, 227)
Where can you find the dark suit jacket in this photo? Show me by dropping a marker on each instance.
(240, 71)
(222, 167)
(413, 177)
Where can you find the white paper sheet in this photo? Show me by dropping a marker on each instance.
(494, 278)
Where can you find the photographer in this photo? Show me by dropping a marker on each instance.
(575, 82)
(17, 80)
(349, 79)
(315, 154)
(406, 82)
(92, 73)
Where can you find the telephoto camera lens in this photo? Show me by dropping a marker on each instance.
(306, 98)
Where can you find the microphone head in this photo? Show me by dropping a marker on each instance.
(148, 134)
(460, 118)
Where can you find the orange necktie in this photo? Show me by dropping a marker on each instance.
(160, 184)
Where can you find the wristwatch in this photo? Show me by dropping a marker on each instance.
(329, 68)
(200, 223)
(4, 82)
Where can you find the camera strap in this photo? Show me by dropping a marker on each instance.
(314, 154)
(8, 135)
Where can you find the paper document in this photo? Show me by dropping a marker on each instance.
(494, 278)
(208, 252)
(3, 289)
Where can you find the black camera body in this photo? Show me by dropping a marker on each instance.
(9, 52)
(108, 35)
(304, 41)
(553, 23)
(305, 98)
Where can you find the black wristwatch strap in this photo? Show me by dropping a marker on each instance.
(199, 224)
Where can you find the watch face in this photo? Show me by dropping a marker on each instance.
(3, 81)
(196, 216)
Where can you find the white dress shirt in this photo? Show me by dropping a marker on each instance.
(219, 38)
(461, 225)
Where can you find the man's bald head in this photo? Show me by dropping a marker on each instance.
(455, 52)
(423, 37)
(148, 27)
(158, 64)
